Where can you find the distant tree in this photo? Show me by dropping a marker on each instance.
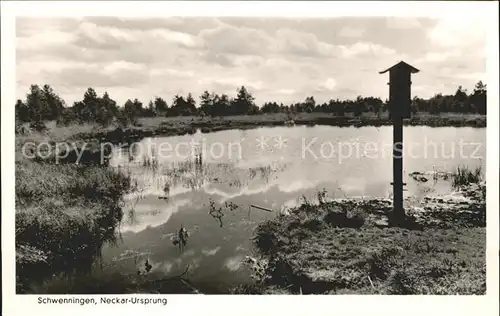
(182, 107)
(478, 97)
(436, 104)
(132, 110)
(160, 106)
(43, 104)
(359, 106)
(107, 110)
(129, 106)
(22, 112)
(149, 111)
(271, 107)
(35, 103)
(207, 105)
(375, 104)
(309, 104)
(87, 109)
(222, 105)
(190, 105)
(53, 104)
(243, 103)
(338, 107)
(460, 102)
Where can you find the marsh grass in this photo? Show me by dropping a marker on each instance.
(64, 214)
(463, 176)
(334, 248)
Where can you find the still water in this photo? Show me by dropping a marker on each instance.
(179, 180)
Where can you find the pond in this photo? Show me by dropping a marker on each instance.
(206, 183)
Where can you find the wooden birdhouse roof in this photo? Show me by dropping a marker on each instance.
(402, 65)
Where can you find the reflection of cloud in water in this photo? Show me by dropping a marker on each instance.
(144, 217)
(210, 252)
(353, 184)
(163, 267)
(240, 248)
(283, 186)
(234, 263)
(188, 253)
(185, 255)
(294, 186)
(132, 254)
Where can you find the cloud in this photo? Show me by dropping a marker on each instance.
(92, 35)
(173, 73)
(234, 263)
(454, 32)
(329, 84)
(286, 91)
(210, 252)
(237, 40)
(45, 39)
(404, 23)
(231, 83)
(277, 59)
(351, 32)
(365, 49)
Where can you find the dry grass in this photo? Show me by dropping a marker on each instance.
(463, 176)
(337, 248)
(64, 213)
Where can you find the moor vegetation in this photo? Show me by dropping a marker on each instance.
(65, 212)
(64, 215)
(351, 247)
(43, 104)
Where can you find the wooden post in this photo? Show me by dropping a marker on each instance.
(397, 168)
(399, 108)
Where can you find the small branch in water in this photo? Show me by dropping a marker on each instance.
(183, 273)
(262, 208)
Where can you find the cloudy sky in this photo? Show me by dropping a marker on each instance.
(281, 60)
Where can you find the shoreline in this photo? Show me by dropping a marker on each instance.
(60, 208)
(163, 127)
(351, 247)
(342, 246)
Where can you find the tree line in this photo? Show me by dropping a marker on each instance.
(43, 104)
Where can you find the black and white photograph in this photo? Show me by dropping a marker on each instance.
(251, 155)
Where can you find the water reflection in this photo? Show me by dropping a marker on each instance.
(210, 195)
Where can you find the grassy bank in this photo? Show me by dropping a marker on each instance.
(350, 247)
(64, 213)
(163, 126)
(171, 126)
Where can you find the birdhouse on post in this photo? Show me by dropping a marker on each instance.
(400, 89)
(399, 108)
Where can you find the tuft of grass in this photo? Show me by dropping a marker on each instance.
(464, 176)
